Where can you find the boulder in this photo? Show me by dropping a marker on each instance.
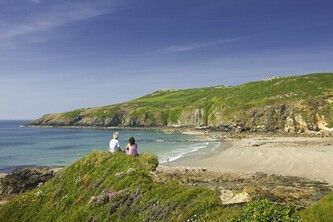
(24, 179)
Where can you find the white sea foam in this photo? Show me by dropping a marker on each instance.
(215, 146)
(181, 151)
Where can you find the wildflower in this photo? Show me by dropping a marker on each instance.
(38, 193)
(77, 180)
(131, 171)
(120, 175)
(64, 197)
(112, 195)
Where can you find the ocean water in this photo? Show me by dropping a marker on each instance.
(22, 146)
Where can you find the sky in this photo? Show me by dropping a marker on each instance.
(61, 55)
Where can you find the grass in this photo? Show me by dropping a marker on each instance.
(83, 190)
(115, 187)
(219, 105)
(320, 212)
(265, 210)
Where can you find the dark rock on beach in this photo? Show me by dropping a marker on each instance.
(25, 179)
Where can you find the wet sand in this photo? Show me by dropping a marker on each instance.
(310, 157)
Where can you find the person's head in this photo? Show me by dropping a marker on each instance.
(131, 140)
(115, 135)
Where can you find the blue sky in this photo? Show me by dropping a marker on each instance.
(60, 55)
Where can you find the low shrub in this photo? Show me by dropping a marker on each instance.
(265, 210)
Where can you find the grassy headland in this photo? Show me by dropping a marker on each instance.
(292, 104)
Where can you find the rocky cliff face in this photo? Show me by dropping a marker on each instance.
(293, 104)
(292, 118)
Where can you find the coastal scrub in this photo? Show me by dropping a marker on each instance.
(104, 186)
(112, 187)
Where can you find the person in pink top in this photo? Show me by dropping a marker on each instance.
(132, 147)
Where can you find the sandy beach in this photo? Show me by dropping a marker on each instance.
(310, 157)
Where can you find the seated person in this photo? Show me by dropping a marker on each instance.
(114, 143)
(132, 147)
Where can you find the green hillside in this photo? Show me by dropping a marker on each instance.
(103, 186)
(298, 103)
(112, 187)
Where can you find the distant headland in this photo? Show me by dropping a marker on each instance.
(295, 104)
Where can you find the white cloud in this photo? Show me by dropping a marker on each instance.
(36, 1)
(195, 46)
(51, 18)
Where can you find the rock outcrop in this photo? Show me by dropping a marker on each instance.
(238, 188)
(24, 179)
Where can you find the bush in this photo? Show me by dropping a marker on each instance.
(266, 210)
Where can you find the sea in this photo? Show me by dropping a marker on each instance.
(23, 146)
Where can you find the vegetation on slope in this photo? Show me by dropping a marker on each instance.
(112, 187)
(322, 211)
(267, 103)
(115, 187)
(266, 210)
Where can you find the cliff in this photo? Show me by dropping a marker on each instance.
(289, 104)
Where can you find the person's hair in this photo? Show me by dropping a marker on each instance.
(131, 140)
(116, 135)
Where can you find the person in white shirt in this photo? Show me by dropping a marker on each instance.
(114, 143)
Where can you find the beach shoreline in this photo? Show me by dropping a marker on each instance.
(273, 164)
(301, 156)
(305, 155)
